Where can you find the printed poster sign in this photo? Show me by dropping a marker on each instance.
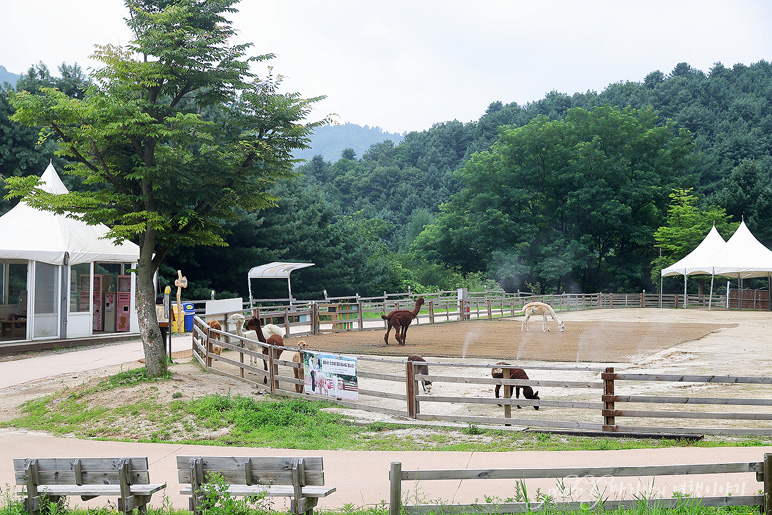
(330, 375)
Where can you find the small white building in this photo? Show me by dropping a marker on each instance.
(60, 278)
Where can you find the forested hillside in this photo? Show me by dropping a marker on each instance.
(561, 194)
(331, 140)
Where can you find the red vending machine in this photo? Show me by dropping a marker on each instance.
(97, 321)
(123, 303)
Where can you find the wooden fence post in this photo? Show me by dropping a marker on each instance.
(431, 311)
(412, 404)
(508, 396)
(490, 312)
(272, 370)
(767, 483)
(395, 488)
(360, 317)
(609, 423)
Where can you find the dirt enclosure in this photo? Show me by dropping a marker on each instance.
(648, 341)
(583, 341)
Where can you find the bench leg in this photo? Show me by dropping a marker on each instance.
(306, 505)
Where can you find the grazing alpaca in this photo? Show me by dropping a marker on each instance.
(238, 320)
(274, 339)
(514, 373)
(298, 358)
(423, 370)
(400, 320)
(214, 324)
(540, 308)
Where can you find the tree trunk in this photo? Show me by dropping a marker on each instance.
(153, 344)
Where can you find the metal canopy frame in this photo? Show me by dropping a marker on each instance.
(275, 270)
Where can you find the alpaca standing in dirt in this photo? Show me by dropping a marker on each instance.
(213, 347)
(298, 372)
(400, 320)
(513, 373)
(420, 367)
(274, 341)
(540, 308)
(268, 329)
(249, 336)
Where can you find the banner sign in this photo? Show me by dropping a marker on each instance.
(330, 375)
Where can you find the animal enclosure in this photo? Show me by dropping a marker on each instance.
(575, 394)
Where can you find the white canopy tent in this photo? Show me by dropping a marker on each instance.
(51, 245)
(275, 270)
(742, 256)
(697, 262)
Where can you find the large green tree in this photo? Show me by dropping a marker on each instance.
(684, 229)
(563, 204)
(162, 173)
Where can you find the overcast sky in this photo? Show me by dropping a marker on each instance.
(405, 65)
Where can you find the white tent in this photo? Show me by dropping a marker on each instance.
(741, 256)
(58, 252)
(698, 261)
(31, 234)
(275, 270)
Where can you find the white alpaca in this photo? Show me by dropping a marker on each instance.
(540, 308)
(271, 329)
(250, 336)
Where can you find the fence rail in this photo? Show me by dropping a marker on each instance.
(581, 398)
(763, 470)
(363, 313)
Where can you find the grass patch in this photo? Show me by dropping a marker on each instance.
(130, 406)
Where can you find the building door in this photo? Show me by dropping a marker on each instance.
(45, 321)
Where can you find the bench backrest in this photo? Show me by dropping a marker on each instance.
(254, 470)
(81, 471)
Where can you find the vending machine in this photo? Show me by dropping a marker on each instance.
(109, 312)
(123, 303)
(98, 320)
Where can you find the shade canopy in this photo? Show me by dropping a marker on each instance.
(699, 261)
(275, 270)
(27, 233)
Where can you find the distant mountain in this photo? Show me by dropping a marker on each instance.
(6, 76)
(331, 140)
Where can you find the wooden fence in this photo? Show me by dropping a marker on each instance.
(763, 470)
(577, 398)
(359, 313)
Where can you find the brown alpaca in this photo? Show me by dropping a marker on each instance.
(275, 340)
(214, 324)
(514, 373)
(298, 372)
(400, 320)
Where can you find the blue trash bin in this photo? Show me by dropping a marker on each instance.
(189, 311)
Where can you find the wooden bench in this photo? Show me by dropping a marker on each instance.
(763, 470)
(54, 478)
(302, 479)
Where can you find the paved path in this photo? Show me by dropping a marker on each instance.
(361, 477)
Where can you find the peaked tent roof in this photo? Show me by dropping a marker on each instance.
(699, 260)
(743, 255)
(31, 234)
